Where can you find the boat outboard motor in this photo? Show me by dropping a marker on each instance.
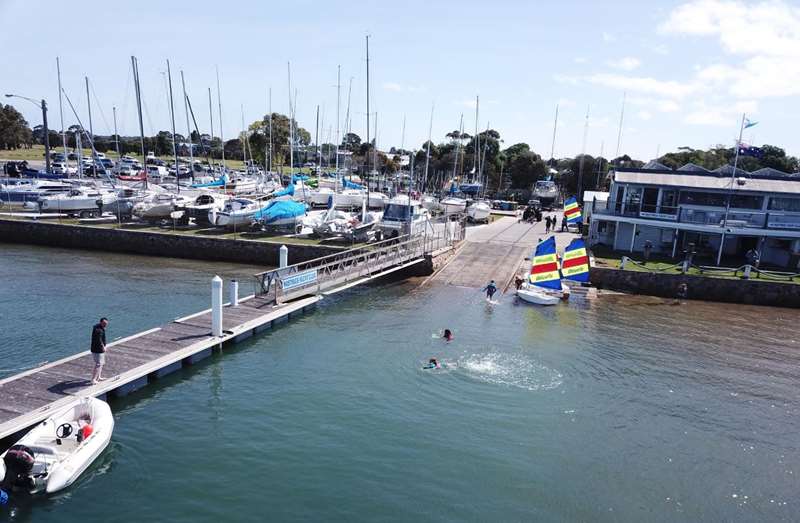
(18, 462)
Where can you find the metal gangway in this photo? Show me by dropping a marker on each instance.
(346, 269)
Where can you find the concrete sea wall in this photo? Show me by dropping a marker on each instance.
(753, 292)
(156, 244)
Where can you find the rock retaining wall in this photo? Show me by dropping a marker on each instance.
(156, 244)
(753, 292)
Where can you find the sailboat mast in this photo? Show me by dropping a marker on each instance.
(316, 140)
(621, 119)
(138, 89)
(210, 115)
(221, 138)
(458, 144)
(116, 134)
(89, 105)
(579, 189)
(244, 140)
(477, 152)
(291, 116)
(338, 116)
(188, 127)
(553, 145)
(270, 129)
(368, 142)
(61, 109)
(174, 138)
(428, 150)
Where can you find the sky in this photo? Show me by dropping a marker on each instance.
(687, 70)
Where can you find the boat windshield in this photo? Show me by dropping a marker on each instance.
(397, 212)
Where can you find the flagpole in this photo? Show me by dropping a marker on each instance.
(733, 175)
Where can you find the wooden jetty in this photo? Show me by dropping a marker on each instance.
(30, 397)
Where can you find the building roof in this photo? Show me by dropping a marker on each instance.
(653, 165)
(693, 167)
(727, 170)
(783, 184)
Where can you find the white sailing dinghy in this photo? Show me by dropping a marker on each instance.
(56, 452)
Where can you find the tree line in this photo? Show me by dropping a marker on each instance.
(458, 155)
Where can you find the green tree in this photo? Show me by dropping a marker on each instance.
(14, 129)
(525, 169)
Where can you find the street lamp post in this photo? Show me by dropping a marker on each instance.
(43, 106)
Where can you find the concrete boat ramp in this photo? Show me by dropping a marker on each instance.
(495, 252)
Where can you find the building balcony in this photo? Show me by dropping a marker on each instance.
(738, 219)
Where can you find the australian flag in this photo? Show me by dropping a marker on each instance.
(749, 150)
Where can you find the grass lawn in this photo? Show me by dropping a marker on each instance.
(36, 153)
(607, 258)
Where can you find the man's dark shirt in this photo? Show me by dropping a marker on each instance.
(98, 338)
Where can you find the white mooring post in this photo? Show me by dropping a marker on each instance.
(216, 306)
(234, 290)
(283, 257)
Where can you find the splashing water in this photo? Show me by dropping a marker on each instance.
(514, 370)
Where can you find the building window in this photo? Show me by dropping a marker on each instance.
(649, 199)
(747, 201)
(718, 199)
(784, 204)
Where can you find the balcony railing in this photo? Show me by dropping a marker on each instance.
(711, 217)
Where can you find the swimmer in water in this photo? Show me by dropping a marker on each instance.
(433, 363)
(448, 335)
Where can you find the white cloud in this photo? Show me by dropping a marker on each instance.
(397, 88)
(644, 85)
(719, 115)
(765, 35)
(565, 102)
(628, 63)
(644, 115)
(609, 37)
(660, 49)
(580, 60)
(659, 104)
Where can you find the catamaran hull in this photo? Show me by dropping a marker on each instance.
(538, 297)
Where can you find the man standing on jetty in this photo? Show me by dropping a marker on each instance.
(99, 349)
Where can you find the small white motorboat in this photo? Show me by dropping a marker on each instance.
(57, 451)
(453, 205)
(479, 212)
(80, 200)
(201, 207)
(539, 295)
(159, 206)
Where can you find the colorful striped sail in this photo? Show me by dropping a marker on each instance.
(572, 211)
(575, 264)
(544, 271)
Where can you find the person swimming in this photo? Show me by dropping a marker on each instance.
(448, 335)
(433, 363)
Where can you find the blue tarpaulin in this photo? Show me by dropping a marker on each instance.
(219, 182)
(289, 190)
(350, 185)
(280, 210)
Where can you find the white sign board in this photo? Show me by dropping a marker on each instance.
(298, 280)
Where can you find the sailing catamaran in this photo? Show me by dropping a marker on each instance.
(544, 282)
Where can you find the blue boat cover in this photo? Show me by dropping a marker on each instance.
(280, 210)
(471, 188)
(288, 191)
(219, 182)
(298, 178)
(350, 185)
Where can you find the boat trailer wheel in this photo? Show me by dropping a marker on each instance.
(64, 430)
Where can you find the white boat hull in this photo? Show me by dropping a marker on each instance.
(479, 212)
(539, 296)
(453, 205)
(65, 459)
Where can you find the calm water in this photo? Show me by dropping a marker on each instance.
(618, 409)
